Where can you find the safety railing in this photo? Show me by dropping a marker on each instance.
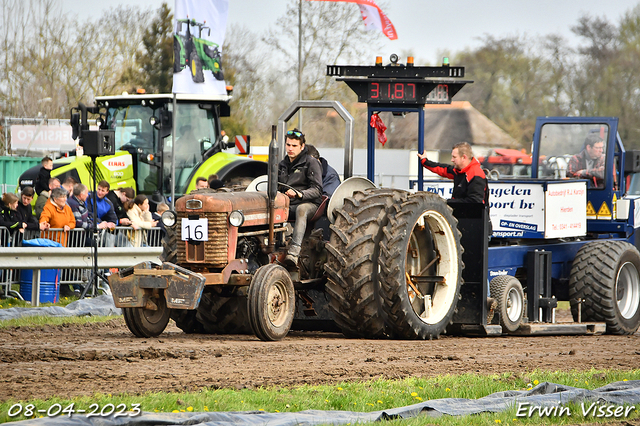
(113, 247)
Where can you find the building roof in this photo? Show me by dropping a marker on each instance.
(447, 125)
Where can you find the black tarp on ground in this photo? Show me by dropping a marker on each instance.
(101, 305)
(544, 395)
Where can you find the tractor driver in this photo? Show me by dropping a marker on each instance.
(300, 171)
(469, 181)
(589, 163)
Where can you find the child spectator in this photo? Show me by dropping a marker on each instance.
(57, 215)
(42, 181)
(9, 217)
(25, 211)
(157, 215)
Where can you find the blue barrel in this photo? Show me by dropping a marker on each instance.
(49, 278)
(49, 285)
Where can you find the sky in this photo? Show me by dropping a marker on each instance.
(428, 28)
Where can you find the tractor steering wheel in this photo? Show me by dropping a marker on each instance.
(298, 193)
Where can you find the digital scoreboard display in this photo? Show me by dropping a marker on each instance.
(406, 93)
(392, 92)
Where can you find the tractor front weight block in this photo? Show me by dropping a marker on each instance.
(182, 288)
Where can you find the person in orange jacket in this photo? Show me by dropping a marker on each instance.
(57, 215)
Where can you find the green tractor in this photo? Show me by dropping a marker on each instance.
(195, 52)
(144, 152)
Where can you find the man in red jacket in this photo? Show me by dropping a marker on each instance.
(469, 181)
(469, 186)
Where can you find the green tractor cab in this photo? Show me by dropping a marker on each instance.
(145, 158)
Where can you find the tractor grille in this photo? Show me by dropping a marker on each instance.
(212, 253)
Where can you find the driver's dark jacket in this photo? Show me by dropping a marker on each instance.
(305, 175)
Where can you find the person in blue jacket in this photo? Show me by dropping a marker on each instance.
(330, 178)
(107, 217)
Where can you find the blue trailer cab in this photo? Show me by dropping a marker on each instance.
(558, 232)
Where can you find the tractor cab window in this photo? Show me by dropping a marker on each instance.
(136, 135)
(131, 124)
(196, 131)
(573, 151)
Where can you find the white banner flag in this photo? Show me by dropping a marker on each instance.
(199, 28)
(374, 18)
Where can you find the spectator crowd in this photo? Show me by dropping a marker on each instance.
(63, 206)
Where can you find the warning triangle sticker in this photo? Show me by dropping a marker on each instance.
(604, 212)
(591, 212)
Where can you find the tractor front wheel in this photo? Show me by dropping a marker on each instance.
(271, 302)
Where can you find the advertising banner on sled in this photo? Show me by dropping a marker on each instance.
(199, 29)
(530, 210)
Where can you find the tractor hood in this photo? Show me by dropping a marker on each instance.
(253, 205)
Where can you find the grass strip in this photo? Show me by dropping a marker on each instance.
(365, 396)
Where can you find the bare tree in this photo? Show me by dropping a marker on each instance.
(331, 33)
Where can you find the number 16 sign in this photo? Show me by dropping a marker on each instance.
(195, 230)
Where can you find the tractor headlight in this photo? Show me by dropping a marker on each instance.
(236, 218)
(169, 218)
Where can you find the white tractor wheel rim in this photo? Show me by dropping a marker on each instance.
(277, 302)
(435, 306)
(628, 290)
(514, 305)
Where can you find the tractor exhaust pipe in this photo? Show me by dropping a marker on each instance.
(272, 190)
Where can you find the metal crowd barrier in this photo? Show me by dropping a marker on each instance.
(117, 248)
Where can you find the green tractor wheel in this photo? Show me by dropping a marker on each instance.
(197, 74)
(176, 56)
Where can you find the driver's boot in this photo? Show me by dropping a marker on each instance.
(292, 255)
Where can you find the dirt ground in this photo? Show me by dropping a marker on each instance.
(40, 362)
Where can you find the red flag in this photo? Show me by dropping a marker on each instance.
(376, 122)
(373, 17)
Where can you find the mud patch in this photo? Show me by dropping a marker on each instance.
(73, 360)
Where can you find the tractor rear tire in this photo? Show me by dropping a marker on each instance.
(186, 320)
(197, 74)
(605, 276)
(352, 264)
(271, 302)
(420, 267)
(223, 315)
(146, 322)
(507, 291)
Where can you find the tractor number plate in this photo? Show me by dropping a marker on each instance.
(195, 230)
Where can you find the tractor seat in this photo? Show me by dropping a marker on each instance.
(319, 211)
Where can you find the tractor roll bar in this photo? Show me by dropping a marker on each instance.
(340, 109)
